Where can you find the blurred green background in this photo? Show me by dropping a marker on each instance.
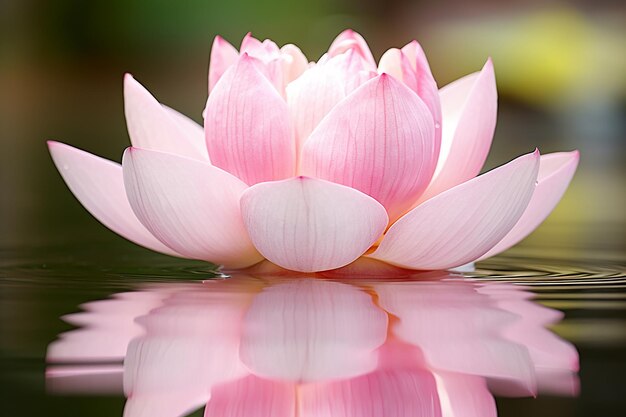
(560, 68)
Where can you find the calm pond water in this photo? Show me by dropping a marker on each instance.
(81, 323)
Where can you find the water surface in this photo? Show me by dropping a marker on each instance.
(524, 333)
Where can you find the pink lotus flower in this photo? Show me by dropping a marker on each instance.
(312, 166)
(428, 345)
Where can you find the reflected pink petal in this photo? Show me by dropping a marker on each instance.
(150, 126)
(463, 223)
(175, 198)
(106, 328)
(306, 224)
(191, 344)
(458, 330)
(464, 396)
(84, 379)
(389, 393)
(555, 360)
(378, 140)
(253, 397)
(312, 330)
(99, 186)
(247, 126)
(555, 173)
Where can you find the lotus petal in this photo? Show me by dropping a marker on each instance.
(469, 109)
(223, 55)
(379, 140)
(463, 223)
(306, 224)
(294, 62)
(318, 90)
(555, 173)
(99, 186)
(247, 126)
(312, 330)
(189, 205)
(150, 126)
(410, 66)
(349, 39)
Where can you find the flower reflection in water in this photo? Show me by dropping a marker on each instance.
(266, 344)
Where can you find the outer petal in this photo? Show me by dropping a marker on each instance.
(189, 127)
(349, 39)
(247, 126)
(189, 205)
(469, 109)
(463, 223)
(223, 55)
(411, 67)
(555, 173)
(379, 140)
(312, 330)
(150, 126)
(99, 186)
(306, 224)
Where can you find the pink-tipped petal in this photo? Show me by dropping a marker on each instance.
(388, 393)
(99, 186)
(410, 66)
(555, 173)
(223, 55)
(252, 397)
(268, 59)
(306, 224)
(379, 140)
(151, 126)
(349, 39)
(469, 109)
(464, 396)
(312, 330)
(190, 205)
(463, 223)
(416, 56)
(247, 126)
(294, 62)
(266, 50)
